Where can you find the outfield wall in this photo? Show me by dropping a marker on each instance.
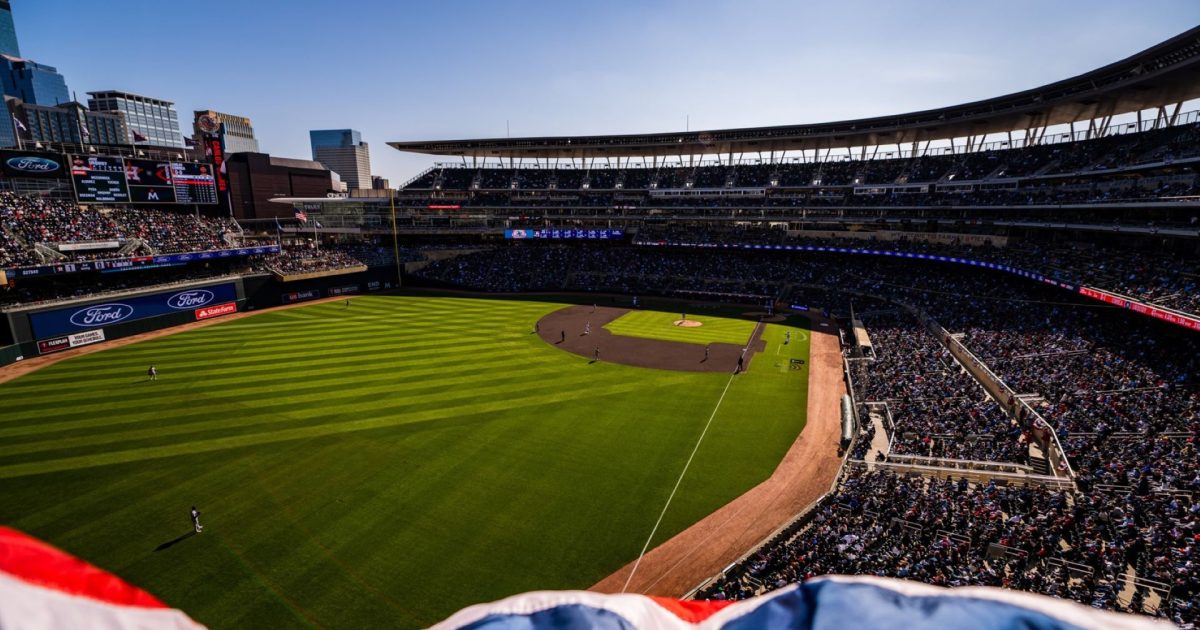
(49, 328)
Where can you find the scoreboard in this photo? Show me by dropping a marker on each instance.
(126, 180)
(194, 183)
(99, 179)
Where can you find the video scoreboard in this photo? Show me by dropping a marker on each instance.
(99, 179)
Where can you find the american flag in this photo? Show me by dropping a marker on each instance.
(301, 217)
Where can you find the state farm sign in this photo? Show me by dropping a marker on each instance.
(216, 310)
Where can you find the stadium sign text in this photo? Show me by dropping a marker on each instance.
(30, 164)
(101, 314)
(58, 344)
(216, 310)
(185, 300)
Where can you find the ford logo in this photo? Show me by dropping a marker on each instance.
(101, 314)
(190, 299)
(30, 164)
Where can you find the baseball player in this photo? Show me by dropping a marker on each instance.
(152, 373)
(196, 520)
(741, 364)
(564, 337)
(587, 328)
(596, 354)
(787, 337)
(706, 353)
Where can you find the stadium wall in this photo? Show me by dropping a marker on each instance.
(50, 328)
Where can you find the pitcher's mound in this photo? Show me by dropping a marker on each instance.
(687, 323)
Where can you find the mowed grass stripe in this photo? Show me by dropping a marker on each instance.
(288, 366)
(321, 430)
(358, 460)
(230, 415)
(454, 370)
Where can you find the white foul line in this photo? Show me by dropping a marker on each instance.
(682, 473)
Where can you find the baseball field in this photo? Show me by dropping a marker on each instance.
(387, 463)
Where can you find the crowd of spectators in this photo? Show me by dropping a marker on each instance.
(1164, 146)
(57, 224)
(1083, 546)
(303, 260)
(938, 409)
(171, 232)
(1162, 278)
(1119, 389)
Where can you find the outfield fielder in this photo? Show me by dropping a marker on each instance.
(152, 373)
(196, 520)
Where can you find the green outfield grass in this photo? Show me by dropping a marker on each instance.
(661, 325)
(378, 466)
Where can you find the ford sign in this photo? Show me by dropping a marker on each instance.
(185, 300)
(101, 314)
(31, 164)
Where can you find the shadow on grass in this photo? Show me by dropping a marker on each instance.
(172, 543)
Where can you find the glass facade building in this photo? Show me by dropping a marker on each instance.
(343, 152)
(8, 31)
(150, 121)
(33, 82)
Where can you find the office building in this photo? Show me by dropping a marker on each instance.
(256, 178)
(151, 121)
(66, 123)
(343, 152)
(380, 183)
(8, 31)
(236, 132)
(32, 82)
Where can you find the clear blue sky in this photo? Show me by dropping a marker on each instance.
(441, 69)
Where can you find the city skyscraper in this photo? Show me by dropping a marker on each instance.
(343, 152)
(151, 121)
(8, 31)
(236, 132)
(33, 82)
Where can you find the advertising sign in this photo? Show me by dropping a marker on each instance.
(350, 288)
(74, 319)
(601, 235)
(216, 311)
(300, 296)
(58, 344)
(33, 164)
(138, 262)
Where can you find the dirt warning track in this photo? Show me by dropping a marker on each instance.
(564, 329)
(678, 565)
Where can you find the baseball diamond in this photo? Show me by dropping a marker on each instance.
(656, 353)
(363, 431)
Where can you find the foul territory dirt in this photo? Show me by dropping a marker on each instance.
(680, 564)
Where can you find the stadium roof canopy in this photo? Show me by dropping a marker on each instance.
(1164, 75)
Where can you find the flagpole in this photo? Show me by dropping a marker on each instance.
(395, 240)
(17, 130)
